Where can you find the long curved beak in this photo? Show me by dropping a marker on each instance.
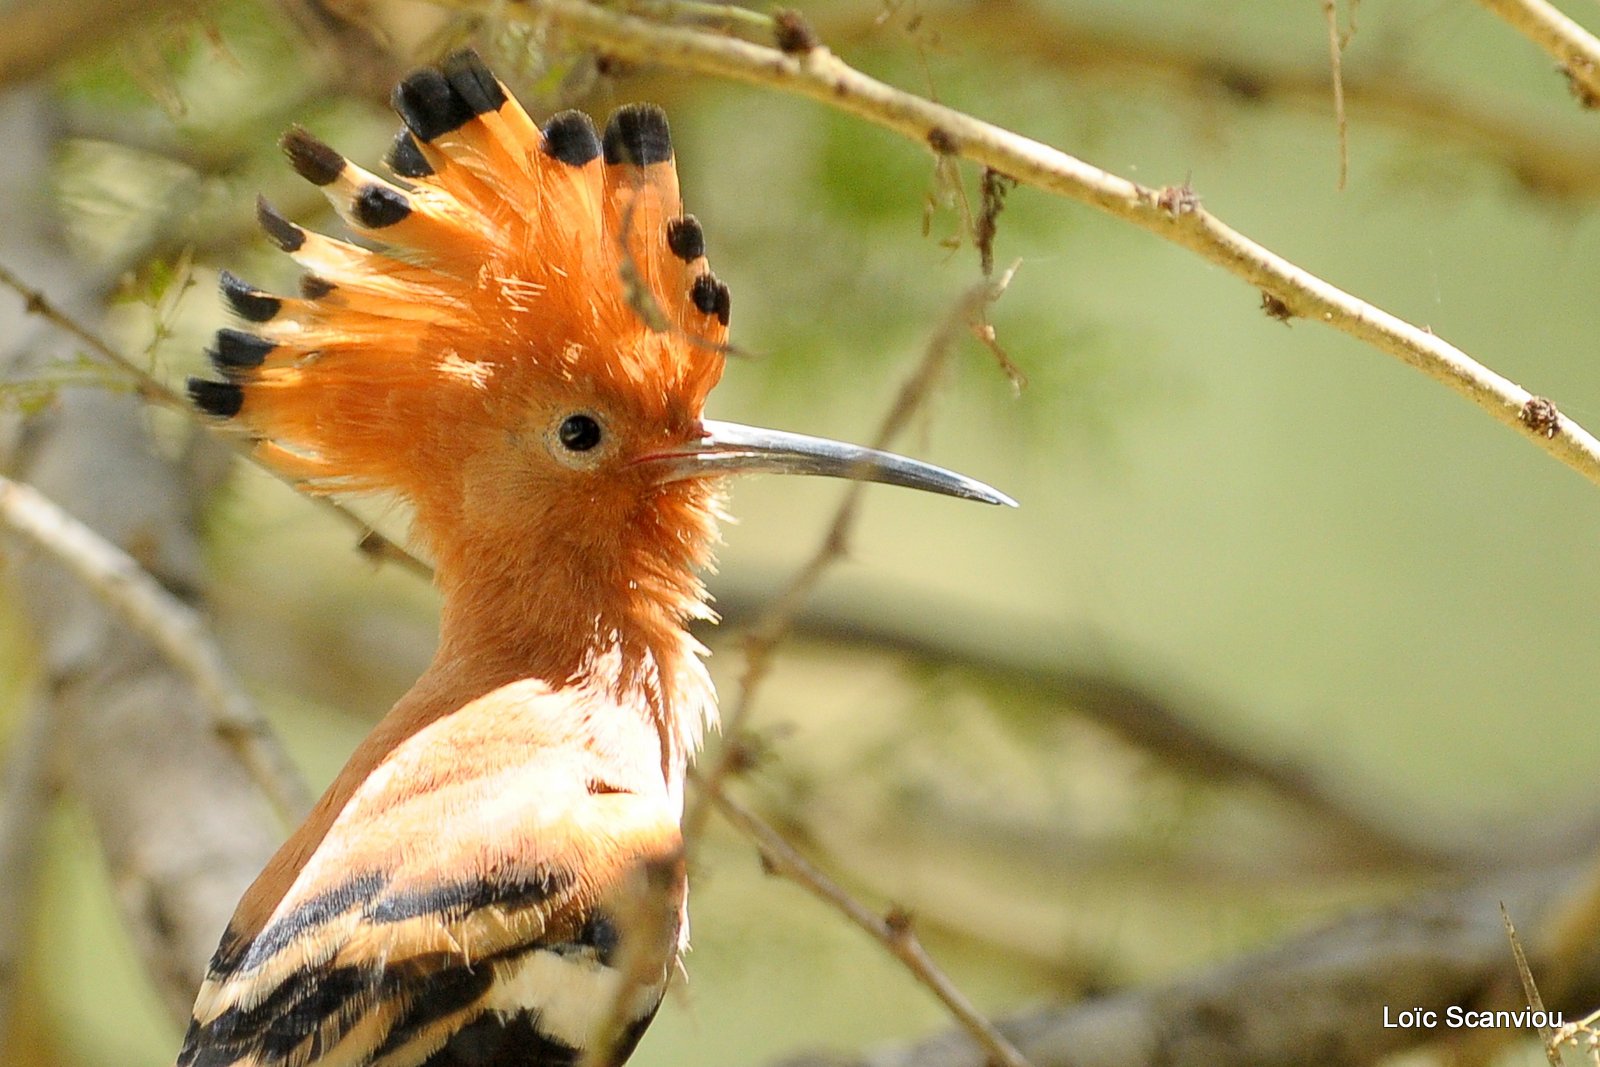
(729, 448)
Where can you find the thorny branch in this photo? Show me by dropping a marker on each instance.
(150, 388)
(893, 931)
(1174, 212)
(776, 621)
(171, 625)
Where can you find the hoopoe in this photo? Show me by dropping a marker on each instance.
(496, 878)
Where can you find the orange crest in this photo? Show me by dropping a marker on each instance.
(520, 264)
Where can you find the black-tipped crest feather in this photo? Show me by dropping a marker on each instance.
(474, 83)
(247, 302)
(406, 158)
(686, 239)
(638, 135)
(429, 105)
(571, 138)
(711, 296)
(315, 288)
(236, 350)
(285, 234)
(221, 399)
(377, 206)
(311, 158)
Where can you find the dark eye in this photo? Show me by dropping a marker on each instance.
(579, 433)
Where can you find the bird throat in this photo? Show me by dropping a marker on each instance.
(611, 616)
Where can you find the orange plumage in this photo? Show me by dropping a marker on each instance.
(495, 879)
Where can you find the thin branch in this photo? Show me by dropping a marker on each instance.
(1555, 161)
(1330, 12)
(1173, 213)
(171, 625)
(150, 388)
(724, 18)
(775, 622)
(1582, 1036)
(1530, 988)
(1572, 46)
(894, 932)
(23, 806)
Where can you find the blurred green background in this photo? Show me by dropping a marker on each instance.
(1308, 549)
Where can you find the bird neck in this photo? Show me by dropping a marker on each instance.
(609, 617)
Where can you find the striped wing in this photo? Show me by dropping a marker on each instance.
(491, 895)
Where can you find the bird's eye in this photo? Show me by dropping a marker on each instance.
(579, 433)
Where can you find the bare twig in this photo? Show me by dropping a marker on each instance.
(148, 387)
(171, 625)
(894, 931)
(1582, 1036)
(1530, 988)
(724, 18)
(1572, 46)
(1173, 213)
(1557, 161)
(1330, 12)
(24, 802)
(774, 623)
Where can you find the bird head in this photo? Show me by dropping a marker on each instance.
(521, 346)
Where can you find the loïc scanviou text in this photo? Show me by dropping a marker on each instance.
(1456, 1017)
